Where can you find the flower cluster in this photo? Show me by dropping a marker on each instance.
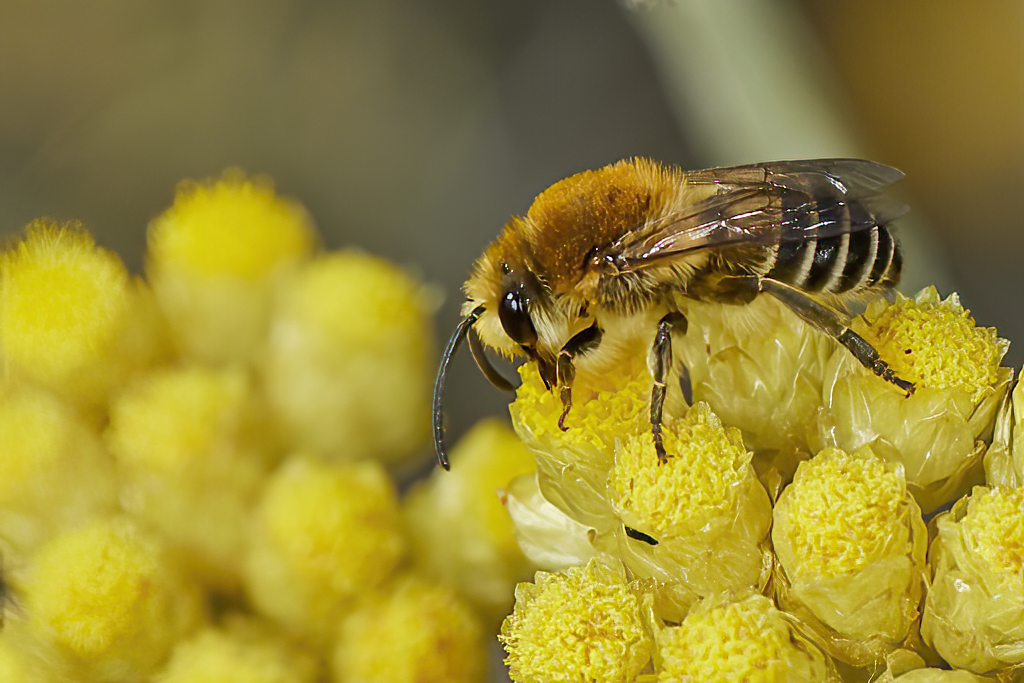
(785, 538)
(198, 469)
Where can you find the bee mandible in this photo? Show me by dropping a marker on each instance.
(619, 250)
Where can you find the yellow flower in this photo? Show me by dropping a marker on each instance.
(216, 256)
(974, 614)
(705, 508)
(739, 638)
(459, 530)
(54, 472)
(70, 316)
(322, 534)
(104, 600)
(1004, 459)
(584, 624)
(349, 365)
(760, 367)
(662, 520)
(244, 651)
(187, 443)
(938, 433)
(851, 553)
(412, 631)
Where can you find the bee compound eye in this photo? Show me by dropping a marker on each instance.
(515, 319)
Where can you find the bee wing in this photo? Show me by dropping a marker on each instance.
(768, 202)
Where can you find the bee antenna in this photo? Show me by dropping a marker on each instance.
(438, 413)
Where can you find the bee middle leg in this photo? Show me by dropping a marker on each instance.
(565, 371)
(661, 362)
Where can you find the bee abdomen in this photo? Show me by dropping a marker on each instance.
(852, 261)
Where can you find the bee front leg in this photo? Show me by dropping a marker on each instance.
(565, 371)
(661, 362)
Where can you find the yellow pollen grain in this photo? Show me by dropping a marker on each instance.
(62, 300)
(599, 416)
(736, 641)
(232, 226)
(994, 529)
(937, 344)
(706, 464)
(840, 511)
(576, 627)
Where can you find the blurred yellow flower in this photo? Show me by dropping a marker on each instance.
(411, 631)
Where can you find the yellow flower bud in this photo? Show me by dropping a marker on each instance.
(739, 638)
(584, 624)
(705, 507)
(54, 472)
(760, 367)
(458, 528)
(573, 464)
(851, 554)
(70, 316)
(104, 601)
(323, 534)
(349, 368)
(938, 433)
(215, 257)
(412, 631)
(974, 614)
(1004, 459)
(243, 652)
(187, 442)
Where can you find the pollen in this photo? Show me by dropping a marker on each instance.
(62, 301)
(706, 465)
(936, 343)
(232, 226)
(415, 632)
(993, 529)
(581, 625)
(839, 513)
(719, 640)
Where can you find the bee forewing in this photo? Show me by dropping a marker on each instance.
(764, 203)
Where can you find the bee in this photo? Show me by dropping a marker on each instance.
(624, 247)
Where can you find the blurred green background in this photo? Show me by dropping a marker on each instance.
(414, 128)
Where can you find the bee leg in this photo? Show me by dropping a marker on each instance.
(832, 324)
(661, 361)
(565, 371)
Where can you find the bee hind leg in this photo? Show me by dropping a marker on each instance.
(832, 324)
(565, 371)
(661, 361)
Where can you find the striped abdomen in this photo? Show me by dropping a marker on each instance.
(850, 262)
